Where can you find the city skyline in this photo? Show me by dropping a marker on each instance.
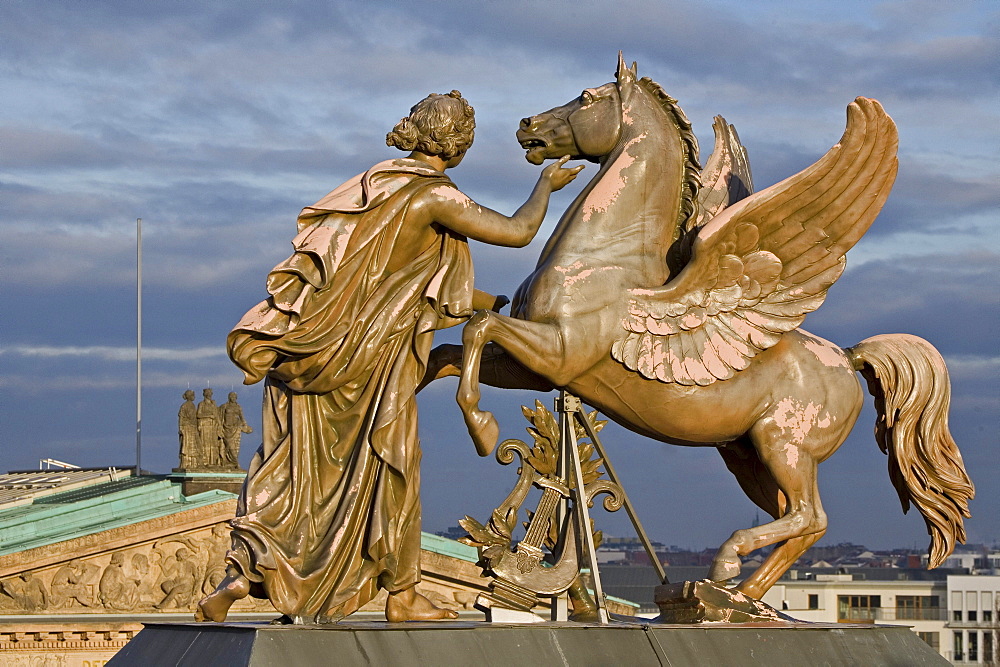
(217, 124)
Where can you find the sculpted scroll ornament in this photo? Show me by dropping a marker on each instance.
(548, 538)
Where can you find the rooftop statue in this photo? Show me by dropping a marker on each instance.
(330, 511)
(669, 297)
(210, 434)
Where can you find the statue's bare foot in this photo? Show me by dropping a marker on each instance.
(215, 606)
(585, 613)
(484, 430)
(409, 605)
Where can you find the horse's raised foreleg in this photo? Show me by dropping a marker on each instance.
(539, 347)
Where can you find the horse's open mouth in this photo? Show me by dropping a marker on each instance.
(535, 149)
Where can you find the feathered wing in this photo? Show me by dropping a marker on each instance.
(726, 178)
(763, 263)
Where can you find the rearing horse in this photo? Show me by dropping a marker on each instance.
(683, 327)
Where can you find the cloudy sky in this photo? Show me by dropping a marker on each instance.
(216, 122)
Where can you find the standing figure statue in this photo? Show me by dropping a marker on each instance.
(233, 428)
(330, 510)
(187, 431)
(209, 430)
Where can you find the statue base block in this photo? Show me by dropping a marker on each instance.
(699, 601)
(194, 482)
(624, 642)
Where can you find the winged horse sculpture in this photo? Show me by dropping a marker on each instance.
(673, 307)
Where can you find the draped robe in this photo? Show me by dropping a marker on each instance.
(330, 510)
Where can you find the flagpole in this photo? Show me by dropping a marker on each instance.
(138, 347)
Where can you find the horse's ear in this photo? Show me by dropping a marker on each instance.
(625, 74)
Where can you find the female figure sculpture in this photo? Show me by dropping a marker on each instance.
(187, 431)
(330, 511)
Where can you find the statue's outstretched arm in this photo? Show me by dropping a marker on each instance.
(449, 207)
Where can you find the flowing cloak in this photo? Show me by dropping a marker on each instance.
(330, 510)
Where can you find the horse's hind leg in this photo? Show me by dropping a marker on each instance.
(792, 471)
(757, 482)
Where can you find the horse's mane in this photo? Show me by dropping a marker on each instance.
(692, 165)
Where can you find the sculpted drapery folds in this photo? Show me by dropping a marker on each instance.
(187, 430)
(209, 429)
(234, 425)
(330, 511)
(345, 348)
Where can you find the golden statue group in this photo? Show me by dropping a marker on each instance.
(669, 298)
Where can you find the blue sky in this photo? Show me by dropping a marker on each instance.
(217, 122)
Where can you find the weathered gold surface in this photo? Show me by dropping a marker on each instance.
(701, 601)
(330, 512)
(704, 349)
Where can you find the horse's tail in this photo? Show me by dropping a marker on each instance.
(909, 381)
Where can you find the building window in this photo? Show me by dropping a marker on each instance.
(988, 656)
(972, 615)
(813, 601)
(918, 607)
(932, 639)
(957, 615)
(973, 647)
(987, 616)
(959, 653)
(857, 608)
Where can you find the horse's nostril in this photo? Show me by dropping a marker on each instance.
(525, 123)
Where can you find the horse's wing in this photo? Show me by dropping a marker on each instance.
(726, 178)
(763, 263)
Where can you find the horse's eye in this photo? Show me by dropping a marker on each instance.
(586, 97)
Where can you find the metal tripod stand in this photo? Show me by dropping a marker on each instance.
(570, 411)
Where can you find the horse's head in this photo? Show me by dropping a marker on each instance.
(587, 127)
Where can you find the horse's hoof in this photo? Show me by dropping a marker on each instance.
(484, 430)
(724, 569)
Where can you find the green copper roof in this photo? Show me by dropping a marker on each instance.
(446, 547)
(64, 516)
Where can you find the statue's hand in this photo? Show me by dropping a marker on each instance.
(558, 176)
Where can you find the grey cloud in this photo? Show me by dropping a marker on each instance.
(107, 353)
(949, 299)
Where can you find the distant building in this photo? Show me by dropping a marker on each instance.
(974, 619)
